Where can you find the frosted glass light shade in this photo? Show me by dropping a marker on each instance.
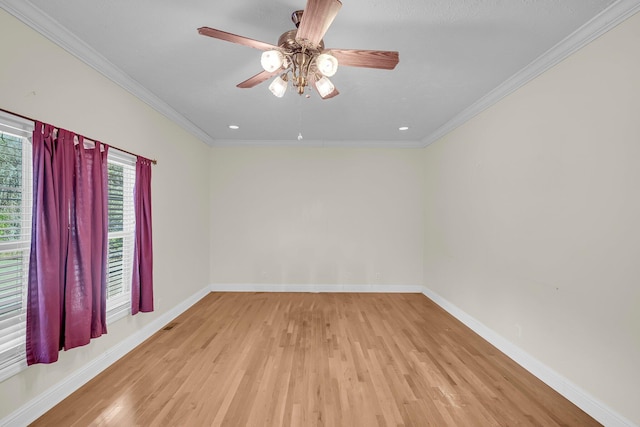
(327, 64)
(278, 87)
(271, 60)
(324, 86)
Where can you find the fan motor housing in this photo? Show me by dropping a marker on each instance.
(288, 42)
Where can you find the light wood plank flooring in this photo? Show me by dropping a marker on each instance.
(296, 359)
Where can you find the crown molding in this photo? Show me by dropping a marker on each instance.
(55, 32)
(597, 26)
(318, 143)
(52, 30)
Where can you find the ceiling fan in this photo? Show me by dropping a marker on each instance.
(300, 56)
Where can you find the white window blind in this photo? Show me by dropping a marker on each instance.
(122, 175)
(15, 239)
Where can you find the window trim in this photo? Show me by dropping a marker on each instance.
(14, 329)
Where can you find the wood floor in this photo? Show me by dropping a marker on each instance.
(296, 359)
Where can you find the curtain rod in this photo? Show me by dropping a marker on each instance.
(155, 162)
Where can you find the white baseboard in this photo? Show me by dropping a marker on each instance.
(36, 407)
(48, 399)
(365, 288)
(583, 400)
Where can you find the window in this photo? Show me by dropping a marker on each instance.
(15, 237)
(122, 175)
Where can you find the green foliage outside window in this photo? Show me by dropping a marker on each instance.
(10, 187)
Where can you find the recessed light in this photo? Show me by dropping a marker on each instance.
(234, 127)
(403, 128)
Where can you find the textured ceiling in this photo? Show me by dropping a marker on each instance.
(452, 53)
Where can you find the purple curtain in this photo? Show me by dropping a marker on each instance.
(142, 281)
(67, 270)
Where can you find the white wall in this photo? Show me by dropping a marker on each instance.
(533, 218)
(526, 217)
(316, 216)
(41, 80)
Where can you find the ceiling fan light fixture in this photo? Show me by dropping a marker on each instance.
(278, 87)
(300, 56)
(271, 60)
(327, 64)
(324, 87)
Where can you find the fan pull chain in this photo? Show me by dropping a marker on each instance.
(300, 119)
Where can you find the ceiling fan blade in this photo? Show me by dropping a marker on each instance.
(223, 35)
(383, 59)
(257, 79)
(316, 19)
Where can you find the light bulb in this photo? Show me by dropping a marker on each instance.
(325, 87)
(327, 64)
(271, 60)
(278, 87)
